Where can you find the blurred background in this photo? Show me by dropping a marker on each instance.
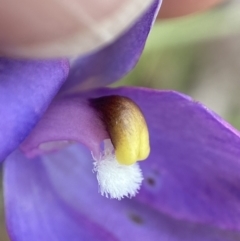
(198, 55)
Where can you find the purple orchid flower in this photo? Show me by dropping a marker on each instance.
(190, 189)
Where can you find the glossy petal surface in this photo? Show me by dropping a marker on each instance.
(56, 198)
(193, 171)
(26, 89)
(114, 61)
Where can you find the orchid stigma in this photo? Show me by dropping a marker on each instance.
(118, 172)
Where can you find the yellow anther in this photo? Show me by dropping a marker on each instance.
(126, 126)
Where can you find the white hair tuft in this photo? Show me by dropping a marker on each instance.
(116, 180)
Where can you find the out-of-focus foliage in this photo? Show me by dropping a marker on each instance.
(198, 55)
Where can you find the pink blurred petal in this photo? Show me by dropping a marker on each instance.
(59, 28)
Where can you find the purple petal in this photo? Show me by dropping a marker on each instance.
(56, 198)
(68, 119)
(26, 89)
(111, 63)
(193, 171)
(36, 212)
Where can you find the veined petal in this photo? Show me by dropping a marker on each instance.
(111, 63)
(193, 171)
(55, 197)
(26, 89)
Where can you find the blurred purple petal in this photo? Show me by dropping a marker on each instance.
(34, 210)
(26, 89)
(56, 198)
(114, 61)
(193, 171)
(68, 119)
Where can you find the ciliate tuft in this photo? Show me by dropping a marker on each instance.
(116, 180)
